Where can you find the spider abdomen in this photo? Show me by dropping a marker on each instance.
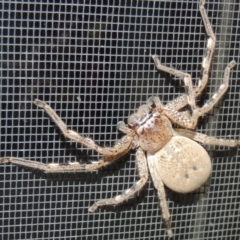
(182, 164)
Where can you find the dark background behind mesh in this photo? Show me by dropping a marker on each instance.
(90, 60)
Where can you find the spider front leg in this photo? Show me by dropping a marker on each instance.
(141, 164)
(110, 154)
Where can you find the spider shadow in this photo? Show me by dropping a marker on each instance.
(182, 199)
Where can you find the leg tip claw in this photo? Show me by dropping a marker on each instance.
(232, 64)
(93, 208)
(170, 233)
(4, 160)
(39, 103)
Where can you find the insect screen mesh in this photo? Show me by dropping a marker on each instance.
(90, 60)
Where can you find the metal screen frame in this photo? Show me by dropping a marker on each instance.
(90, 60)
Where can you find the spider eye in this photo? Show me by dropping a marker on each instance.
(143, 113)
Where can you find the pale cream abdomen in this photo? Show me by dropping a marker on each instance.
(182, 164)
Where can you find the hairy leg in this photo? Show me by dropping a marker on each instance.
(182, 101)
(109, 153)
(56, 167)
(190, 122)
(187, 79)
(158, 184)
(205, 139)
(142, 168)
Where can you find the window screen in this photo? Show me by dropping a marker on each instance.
(91, 61)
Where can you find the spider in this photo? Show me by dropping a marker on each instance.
(171, 155)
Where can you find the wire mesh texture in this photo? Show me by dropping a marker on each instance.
(91, 61)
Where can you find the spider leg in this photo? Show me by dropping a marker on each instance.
(191, 121)
(142, 169)
(207, 58)
(186, 78)
(158, 184)
(221, 91)
(182, 100)
(109, 153)
(56, 167)
(205, 139)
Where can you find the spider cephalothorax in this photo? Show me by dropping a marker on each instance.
(170, 155)
(153, 129)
